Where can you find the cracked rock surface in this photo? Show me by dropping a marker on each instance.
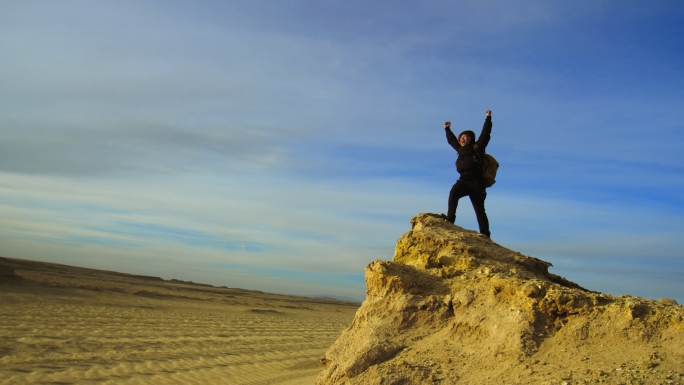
(453, 307)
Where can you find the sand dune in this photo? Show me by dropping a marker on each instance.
(63, 325)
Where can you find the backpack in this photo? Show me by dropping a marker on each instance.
(489, 168)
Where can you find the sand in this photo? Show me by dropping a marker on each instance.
(68, 325)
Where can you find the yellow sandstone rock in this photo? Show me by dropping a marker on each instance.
(454, 307)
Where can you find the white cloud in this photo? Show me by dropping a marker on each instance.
(182, 133)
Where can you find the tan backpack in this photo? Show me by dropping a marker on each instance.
(489, 168)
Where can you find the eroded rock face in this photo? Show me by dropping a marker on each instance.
(454, 307)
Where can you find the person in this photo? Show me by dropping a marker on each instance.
(469, 166)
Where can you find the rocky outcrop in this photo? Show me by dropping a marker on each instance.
(454, 307)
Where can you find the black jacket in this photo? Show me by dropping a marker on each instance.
(469, 163)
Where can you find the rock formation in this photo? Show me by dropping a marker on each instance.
(456, 308)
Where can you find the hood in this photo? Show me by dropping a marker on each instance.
(470, 134)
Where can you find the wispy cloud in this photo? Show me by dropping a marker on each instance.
(280, 139)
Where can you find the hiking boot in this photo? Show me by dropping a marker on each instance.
(446, 218)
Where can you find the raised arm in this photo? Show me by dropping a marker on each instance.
(486, 133)
(451, 138)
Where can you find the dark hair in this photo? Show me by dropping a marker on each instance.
(469, 133)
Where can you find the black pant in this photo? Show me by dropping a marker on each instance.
(475, 189)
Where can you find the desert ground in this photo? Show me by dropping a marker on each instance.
(68, 325)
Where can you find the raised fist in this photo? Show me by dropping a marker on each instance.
(447, 124)
(488, 112)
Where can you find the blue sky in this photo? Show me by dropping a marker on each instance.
(282, 146)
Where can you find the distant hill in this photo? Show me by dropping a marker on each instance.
(337, 298)
(454, 307)
(9, 278)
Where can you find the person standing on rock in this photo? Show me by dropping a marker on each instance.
(469, 166)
